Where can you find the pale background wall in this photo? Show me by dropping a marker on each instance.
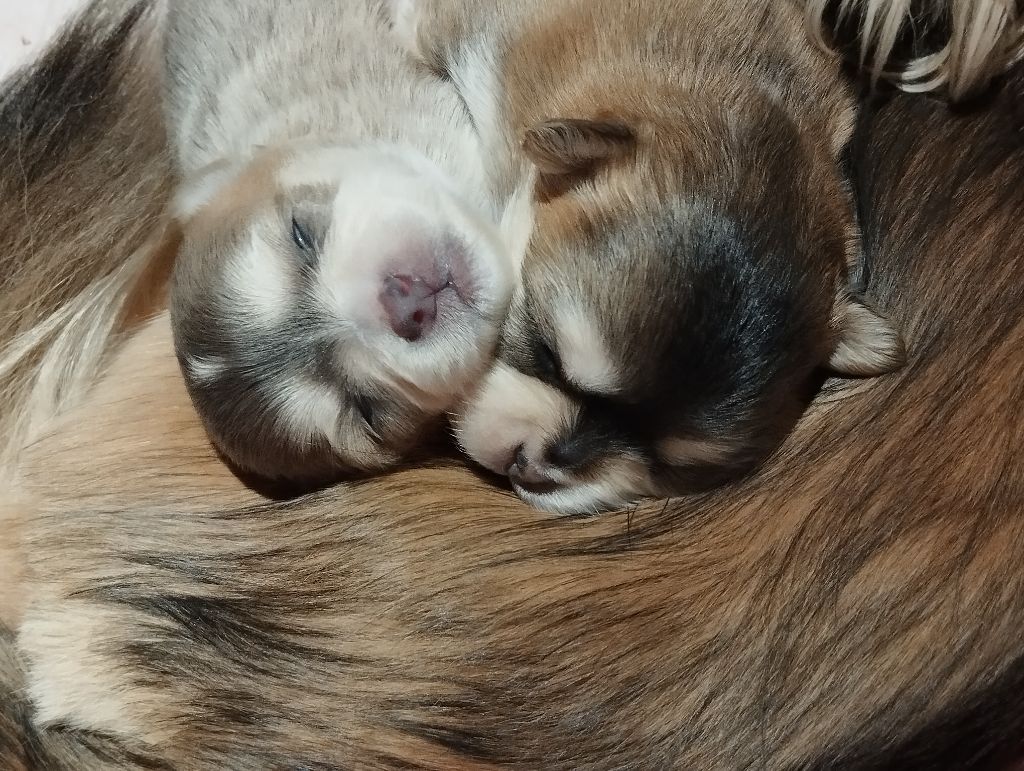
(26, 26)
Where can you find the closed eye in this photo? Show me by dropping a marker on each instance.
(302, 238)
(364, 408)
(547, 362)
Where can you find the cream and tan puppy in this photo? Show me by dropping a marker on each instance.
(343, 272)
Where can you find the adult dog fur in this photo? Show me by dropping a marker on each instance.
(85, 182)
(856, 605)
(956, 46)
(84, 189)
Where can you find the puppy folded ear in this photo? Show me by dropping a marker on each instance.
(868, 344)
(203, 188)
(567, 151)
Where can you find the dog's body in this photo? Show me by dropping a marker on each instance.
(342, 275)
(86, 190)
(86, 185)
(858, 605)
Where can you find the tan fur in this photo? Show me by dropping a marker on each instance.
(80, 239)
(12, 559)
(87, 177)
(858, 604)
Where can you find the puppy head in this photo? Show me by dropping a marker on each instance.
(329, 303)
(681, 292)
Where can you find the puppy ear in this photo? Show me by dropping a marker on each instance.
(567, 151)
(868, 344)
(197, 193)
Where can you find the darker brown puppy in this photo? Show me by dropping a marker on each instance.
(688, 281)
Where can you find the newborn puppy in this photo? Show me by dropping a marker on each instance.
(689, 273)
(342, 275)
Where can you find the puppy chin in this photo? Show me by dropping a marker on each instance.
(510, 410)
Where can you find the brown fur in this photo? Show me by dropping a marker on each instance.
(693, 208)
(85, 182)
(856, 605)
(84, 186)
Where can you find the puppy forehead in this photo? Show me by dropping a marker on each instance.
(368, 167)
(320, 168)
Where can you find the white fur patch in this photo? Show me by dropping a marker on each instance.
(517, 224)
(70, 680)
(307, 409)
(205, 368)
(405, 24)
(868, 344)
(509, 410)
(586, 360)
(198, 192)
(844, 130)
(476, 77)
(258, 281)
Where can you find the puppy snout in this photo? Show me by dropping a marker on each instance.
(529, 474)
(410, 304)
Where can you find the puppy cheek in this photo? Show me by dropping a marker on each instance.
(510, 410)
(627, 478)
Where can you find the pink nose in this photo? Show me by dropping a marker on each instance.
(410, 304)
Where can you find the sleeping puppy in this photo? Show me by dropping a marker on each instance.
(342, 274)
(690, 273)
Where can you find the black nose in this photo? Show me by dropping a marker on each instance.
(528, 474)
(521, 462)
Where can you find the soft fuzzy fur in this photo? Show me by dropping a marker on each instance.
(85, 190)
(858, 605)
(82, 237)
(957, 46)
(342, 275)
(689, 275)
